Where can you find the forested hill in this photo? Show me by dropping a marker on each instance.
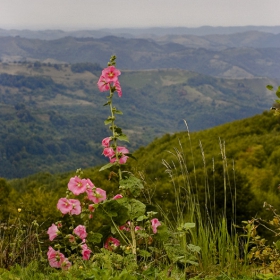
(51, 115)
(230, 56)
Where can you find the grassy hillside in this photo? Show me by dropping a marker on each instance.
(241, 157)
(51, 116)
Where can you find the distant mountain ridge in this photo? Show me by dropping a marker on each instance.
(136, 32)
(244, 55)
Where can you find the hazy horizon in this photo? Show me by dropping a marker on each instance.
(70, 15)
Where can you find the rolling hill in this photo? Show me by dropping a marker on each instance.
(51, 116)
(243, 55)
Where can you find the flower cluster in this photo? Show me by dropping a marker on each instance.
(71, 206)
(108, 79)
(82, 197)
(57, 259)
(111, 154)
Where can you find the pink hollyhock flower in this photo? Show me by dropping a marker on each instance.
(122, 151)
(77, 185)
(106, 142)
(53, 232)
(118, 196)
(103, 84)
(111, 243)
(97, 195)
(155, 223)
(55, 258)
(76, 207)
(118, 88)
(64, 205)
(108, 152)
(85, 252)
(80, 231)
(65, 264)
(110, 74)
(89, 186)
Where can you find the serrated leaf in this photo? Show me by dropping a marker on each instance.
(132, 184)
(123, 137)
(269, 87)
(94, 237)
(108, 165)
(115, 211)
(135, 207)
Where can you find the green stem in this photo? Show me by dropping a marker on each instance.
(114, 131)
(133, 237)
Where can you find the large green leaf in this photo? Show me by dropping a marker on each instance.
(94, 237)
(131, 184)
(116, 211)
(135, 207)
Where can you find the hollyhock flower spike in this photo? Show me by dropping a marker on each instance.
(155, 223)
(77, 185)
(80, 231)
(111, 74)
(53, 232)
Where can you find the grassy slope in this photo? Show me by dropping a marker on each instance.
(251, 143)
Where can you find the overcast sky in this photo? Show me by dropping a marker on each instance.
(95, 14)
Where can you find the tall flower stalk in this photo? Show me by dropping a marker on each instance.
(109, 81)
